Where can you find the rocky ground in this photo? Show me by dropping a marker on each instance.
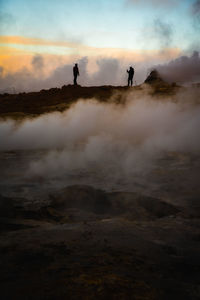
(26, 105)
(82, 241)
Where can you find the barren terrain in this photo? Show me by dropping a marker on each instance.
(103, 229)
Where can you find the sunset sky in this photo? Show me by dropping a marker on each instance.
(63, 31)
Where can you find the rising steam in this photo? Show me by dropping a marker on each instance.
(109, 138)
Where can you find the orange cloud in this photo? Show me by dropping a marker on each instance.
(20, 40)
(13, 59)
(80, 48)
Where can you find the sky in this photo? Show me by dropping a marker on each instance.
(40, 36)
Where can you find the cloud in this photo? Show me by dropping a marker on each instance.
(20, 40)
(182, 70)
(109, 72)
(163, 32)
(195, 10)
(157, 33)
(23, 71)
(38, 63)
(5, 20)
(74, 49)
(155, 3)
(196, 7)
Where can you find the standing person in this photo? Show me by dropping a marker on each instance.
(76, 73)
(130, 76)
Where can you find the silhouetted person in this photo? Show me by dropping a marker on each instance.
(130, 76)
(76, 73)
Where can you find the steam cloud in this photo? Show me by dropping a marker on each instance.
(110, 71)
(164, 3)
(109, 139)
(163, 31)
(5, 19)
(183, 69)
(196, 7)
(38, 62)
(196, 13)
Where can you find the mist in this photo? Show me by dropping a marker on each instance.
(109, 71)
(195, 10)
(107, 140)
(185, 69)
(163, 33)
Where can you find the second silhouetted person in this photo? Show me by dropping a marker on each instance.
(130, 76)
(76, 73)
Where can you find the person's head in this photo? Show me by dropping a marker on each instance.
(76, 65)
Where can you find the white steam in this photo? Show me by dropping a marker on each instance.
(184, 69)
(107, 139)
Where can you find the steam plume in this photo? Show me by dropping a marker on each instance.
(183, 69)
(106, 138)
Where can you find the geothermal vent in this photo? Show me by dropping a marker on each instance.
(154, 77)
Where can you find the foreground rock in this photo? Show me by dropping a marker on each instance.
(23, 105)
(119, 204)
(33, 104)
(89, 244)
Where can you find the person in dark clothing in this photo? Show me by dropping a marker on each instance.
(130, 76)
(76, 73)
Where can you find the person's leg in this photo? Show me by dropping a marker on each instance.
(75, 78)
(128, 81)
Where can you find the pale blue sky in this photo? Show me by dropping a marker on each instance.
(102, 23)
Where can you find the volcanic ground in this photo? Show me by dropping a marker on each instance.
(95, 232)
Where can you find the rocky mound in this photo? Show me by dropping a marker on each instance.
(83, 203)
(159, 87)
(132, 206)
(154, 77)
(82, 197)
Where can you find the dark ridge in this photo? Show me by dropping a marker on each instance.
(33, 104)
(55, 99)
